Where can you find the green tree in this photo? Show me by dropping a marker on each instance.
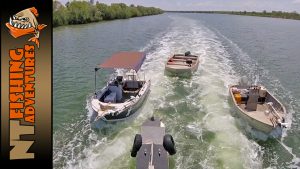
(60, 16)
(79, 12)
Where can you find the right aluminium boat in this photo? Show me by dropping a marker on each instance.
(259, 107)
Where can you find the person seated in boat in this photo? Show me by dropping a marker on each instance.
(115, 83)
(114, 93)
(119, 79)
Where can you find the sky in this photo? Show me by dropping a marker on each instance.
(204, 5)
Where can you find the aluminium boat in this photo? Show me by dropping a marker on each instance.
(256, 105)
(182, 64)
(124, 94)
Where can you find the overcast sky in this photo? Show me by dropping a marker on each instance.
(231, 5)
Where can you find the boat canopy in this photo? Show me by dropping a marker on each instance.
(125, 60)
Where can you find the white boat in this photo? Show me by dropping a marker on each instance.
(124, 94)
(256, 105)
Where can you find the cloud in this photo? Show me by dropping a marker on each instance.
(296, 2)
(207, 3)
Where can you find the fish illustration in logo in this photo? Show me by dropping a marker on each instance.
(25, 23)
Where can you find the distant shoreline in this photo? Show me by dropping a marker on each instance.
(82, 12)
(273, 14)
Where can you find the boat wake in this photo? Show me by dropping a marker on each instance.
(195, 110)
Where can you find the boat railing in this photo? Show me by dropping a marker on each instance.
(273, 110)
(277, 119)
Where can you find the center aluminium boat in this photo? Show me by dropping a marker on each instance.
(124, 94)
(182, 64)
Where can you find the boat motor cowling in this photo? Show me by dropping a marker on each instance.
(169, 144)
(137, 143)
(187, 53)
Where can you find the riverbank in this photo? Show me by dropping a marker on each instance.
(273, 14)
(81, 12)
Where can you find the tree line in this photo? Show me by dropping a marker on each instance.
(81, 12)
(273, 14)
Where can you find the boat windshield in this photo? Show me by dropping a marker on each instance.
(131, 75)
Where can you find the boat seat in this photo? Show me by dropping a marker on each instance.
(131, 84)
(252, 100)
(244, 98)
(186, 57)
(111, 98)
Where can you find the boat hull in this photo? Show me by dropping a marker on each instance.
(128, 111)
(257, 125)
(124, 113)
(181, 71)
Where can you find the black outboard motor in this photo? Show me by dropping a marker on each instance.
(152, 146)
(189, 62)
(187, 53)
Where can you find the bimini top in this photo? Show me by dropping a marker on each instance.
(125, 60)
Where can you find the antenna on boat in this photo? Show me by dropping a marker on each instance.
(96, 69)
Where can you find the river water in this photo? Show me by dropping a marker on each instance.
(196, 111)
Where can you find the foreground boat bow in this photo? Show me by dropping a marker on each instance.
(152, 147)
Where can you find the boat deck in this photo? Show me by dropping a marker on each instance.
(179, 61)
(259, 114)
(127, 96)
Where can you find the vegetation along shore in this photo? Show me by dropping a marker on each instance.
(273, 14)
(81, 12)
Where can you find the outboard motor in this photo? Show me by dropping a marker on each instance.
(152, 147)
(187, 53)
(189, 62)
(282, 123)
